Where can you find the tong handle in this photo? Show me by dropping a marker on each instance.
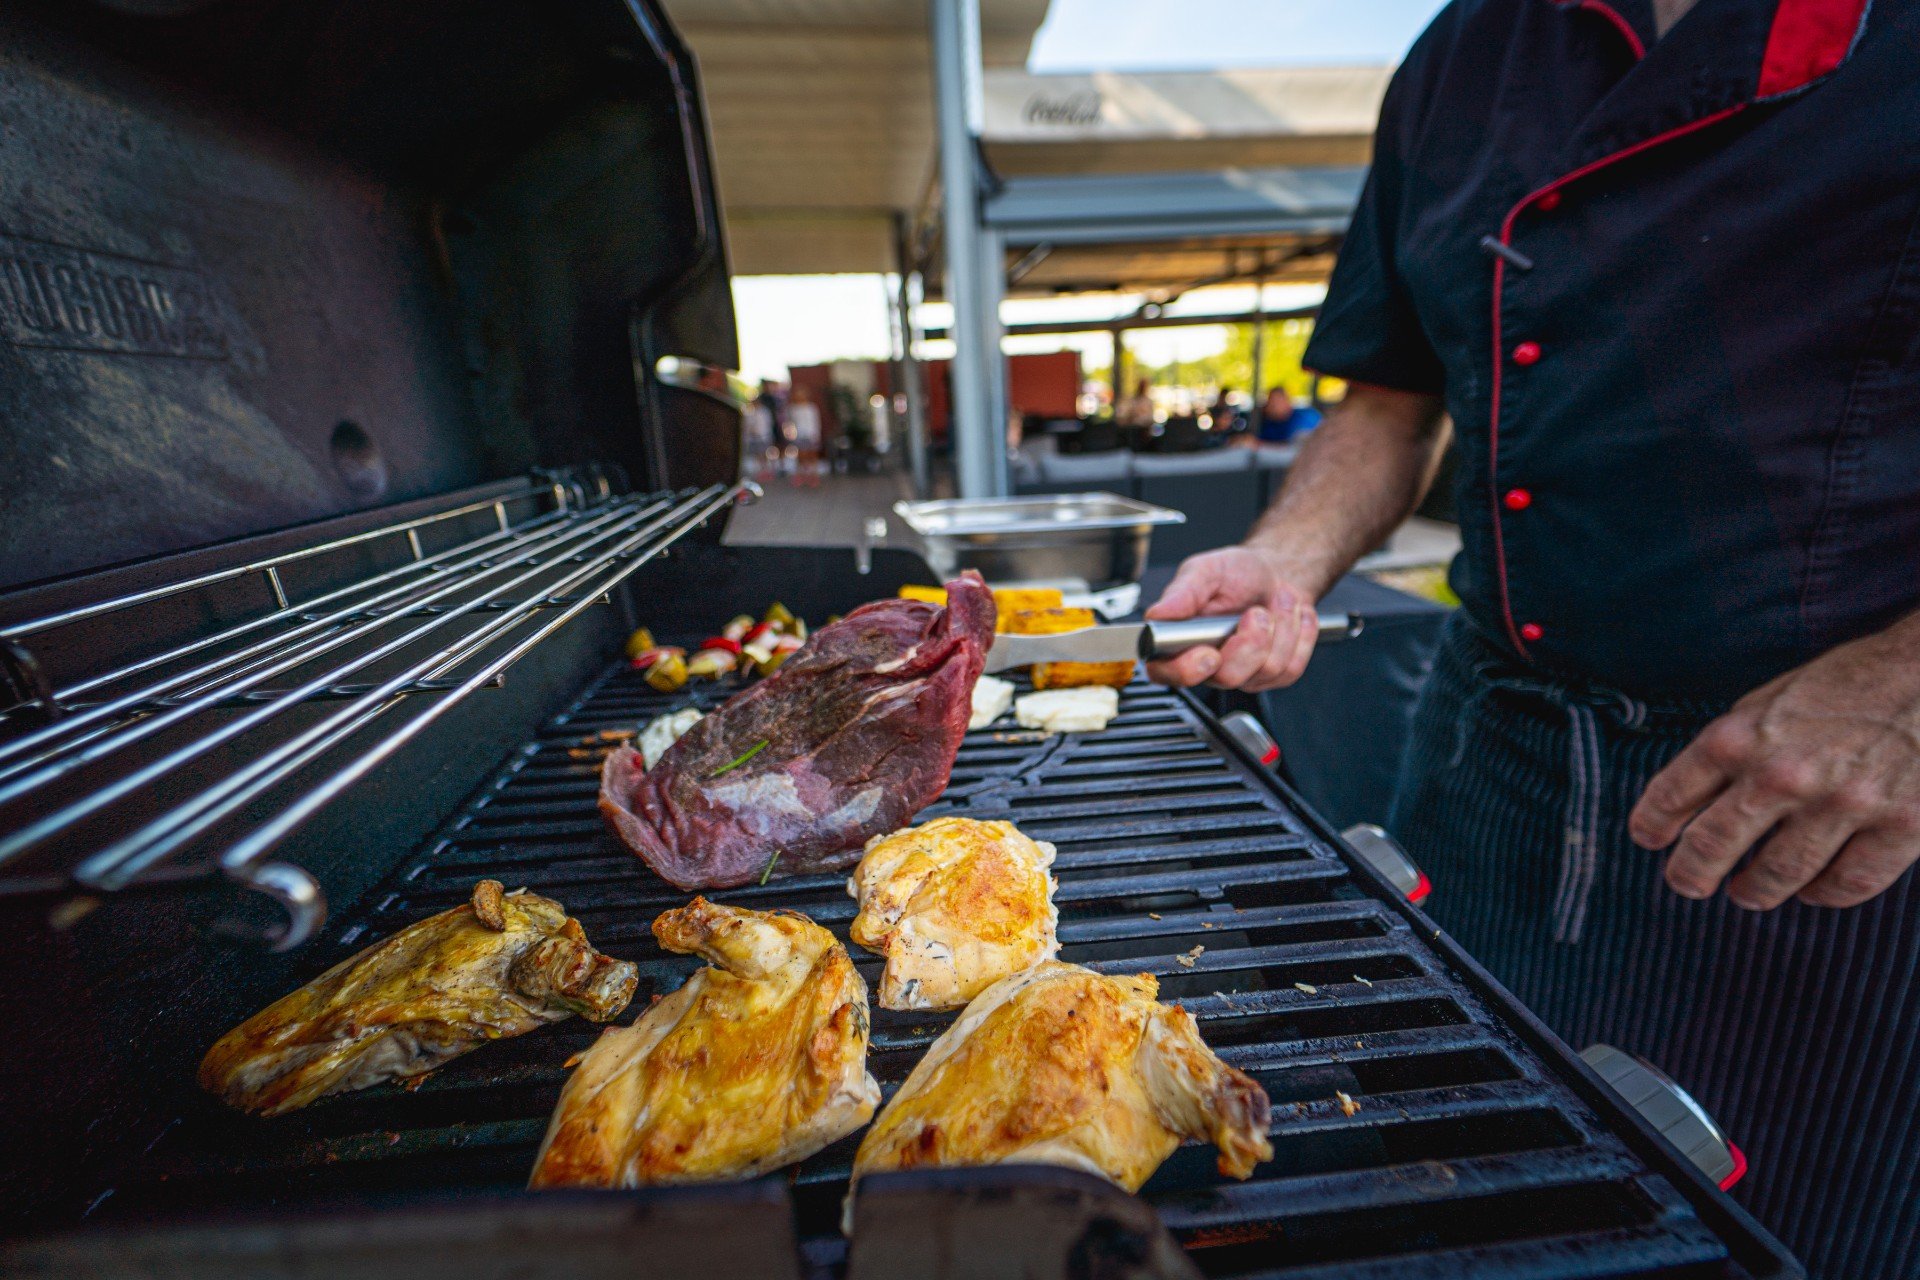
(1170, 639)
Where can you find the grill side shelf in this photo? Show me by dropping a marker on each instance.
(1423, 1123)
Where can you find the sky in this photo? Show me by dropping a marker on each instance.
(789, 320)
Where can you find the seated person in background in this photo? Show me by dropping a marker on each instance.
(1137, 409)
(1226, 418)
(1276, 417)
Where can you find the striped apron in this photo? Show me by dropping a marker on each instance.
(1798, 1029)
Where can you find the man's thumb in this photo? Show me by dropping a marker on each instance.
(1190, 588)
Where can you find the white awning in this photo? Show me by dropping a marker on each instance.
(821, 113)
(1105, 107)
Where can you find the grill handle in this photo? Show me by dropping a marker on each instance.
(1174, 637)
(1671, 1110)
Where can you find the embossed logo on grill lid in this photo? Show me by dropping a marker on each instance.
(82, 300)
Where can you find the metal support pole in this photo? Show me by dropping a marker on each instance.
(911, 391)
(1119, 367)
(975, 274)
(1259, 390)
(993, 278)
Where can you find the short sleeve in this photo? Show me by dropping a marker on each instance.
(1368, 330)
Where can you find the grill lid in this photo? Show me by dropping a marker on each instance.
(268, 263)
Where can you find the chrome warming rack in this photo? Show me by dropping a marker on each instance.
(199, 740)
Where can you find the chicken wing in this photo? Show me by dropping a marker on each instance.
(498, 966)
(757, 1061)
(955, 905)
(1061, 1065)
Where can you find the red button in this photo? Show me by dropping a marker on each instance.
(1530, 631)
(1526, 353)
(1548, 202)
(1518, 499)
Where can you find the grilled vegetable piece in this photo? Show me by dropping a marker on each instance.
(710, 664)
(925, 595)
(501, 965)
(783, 648)
(1008, 601)
(644, 659)
(1066, 675)
(756, 1062)
(639, 642)
(955, 905)
(669, 673)
(1061, 1065)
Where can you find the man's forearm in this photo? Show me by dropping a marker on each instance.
(1358, 476)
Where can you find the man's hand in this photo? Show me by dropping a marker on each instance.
(1826, 759)
(1275, 637)
(1357, 476)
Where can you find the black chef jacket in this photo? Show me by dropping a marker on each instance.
(1671, 294)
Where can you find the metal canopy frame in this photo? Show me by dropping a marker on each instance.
(984, 217)
(1149, 207)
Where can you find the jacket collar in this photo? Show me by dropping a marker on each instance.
(1723, 55)
(1807, 42)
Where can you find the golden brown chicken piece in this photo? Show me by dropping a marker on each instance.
(756, 1062)
(498, 966)
(1061, 1065)
(955, 905)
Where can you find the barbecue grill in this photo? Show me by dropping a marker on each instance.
(321, 538)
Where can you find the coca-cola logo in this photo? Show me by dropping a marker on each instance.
(1079, 109)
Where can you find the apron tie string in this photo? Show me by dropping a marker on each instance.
(1586, 785)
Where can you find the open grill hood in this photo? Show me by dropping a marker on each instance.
(264, 262)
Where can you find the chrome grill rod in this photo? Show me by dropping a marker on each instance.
(589, 531)
(120, 863)
(451, 560)
(255, 846)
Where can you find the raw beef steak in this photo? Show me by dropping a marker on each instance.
(850, 738)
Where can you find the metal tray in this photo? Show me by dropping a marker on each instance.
(1100, 539)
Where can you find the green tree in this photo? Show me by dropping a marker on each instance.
(1286, 342)
(1232, 365)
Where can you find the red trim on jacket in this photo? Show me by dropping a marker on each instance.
(1607, 11)
(1809, 39)
(1612, 15)
(1500, 355)
(1493, 445)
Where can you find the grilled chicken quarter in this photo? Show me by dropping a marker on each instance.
(501, 965)
(757, 1061)
(955, 905)
(1062, 1065)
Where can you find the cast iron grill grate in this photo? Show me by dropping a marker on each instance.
(1460, 1150)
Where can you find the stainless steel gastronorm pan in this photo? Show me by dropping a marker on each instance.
(1098, 538)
